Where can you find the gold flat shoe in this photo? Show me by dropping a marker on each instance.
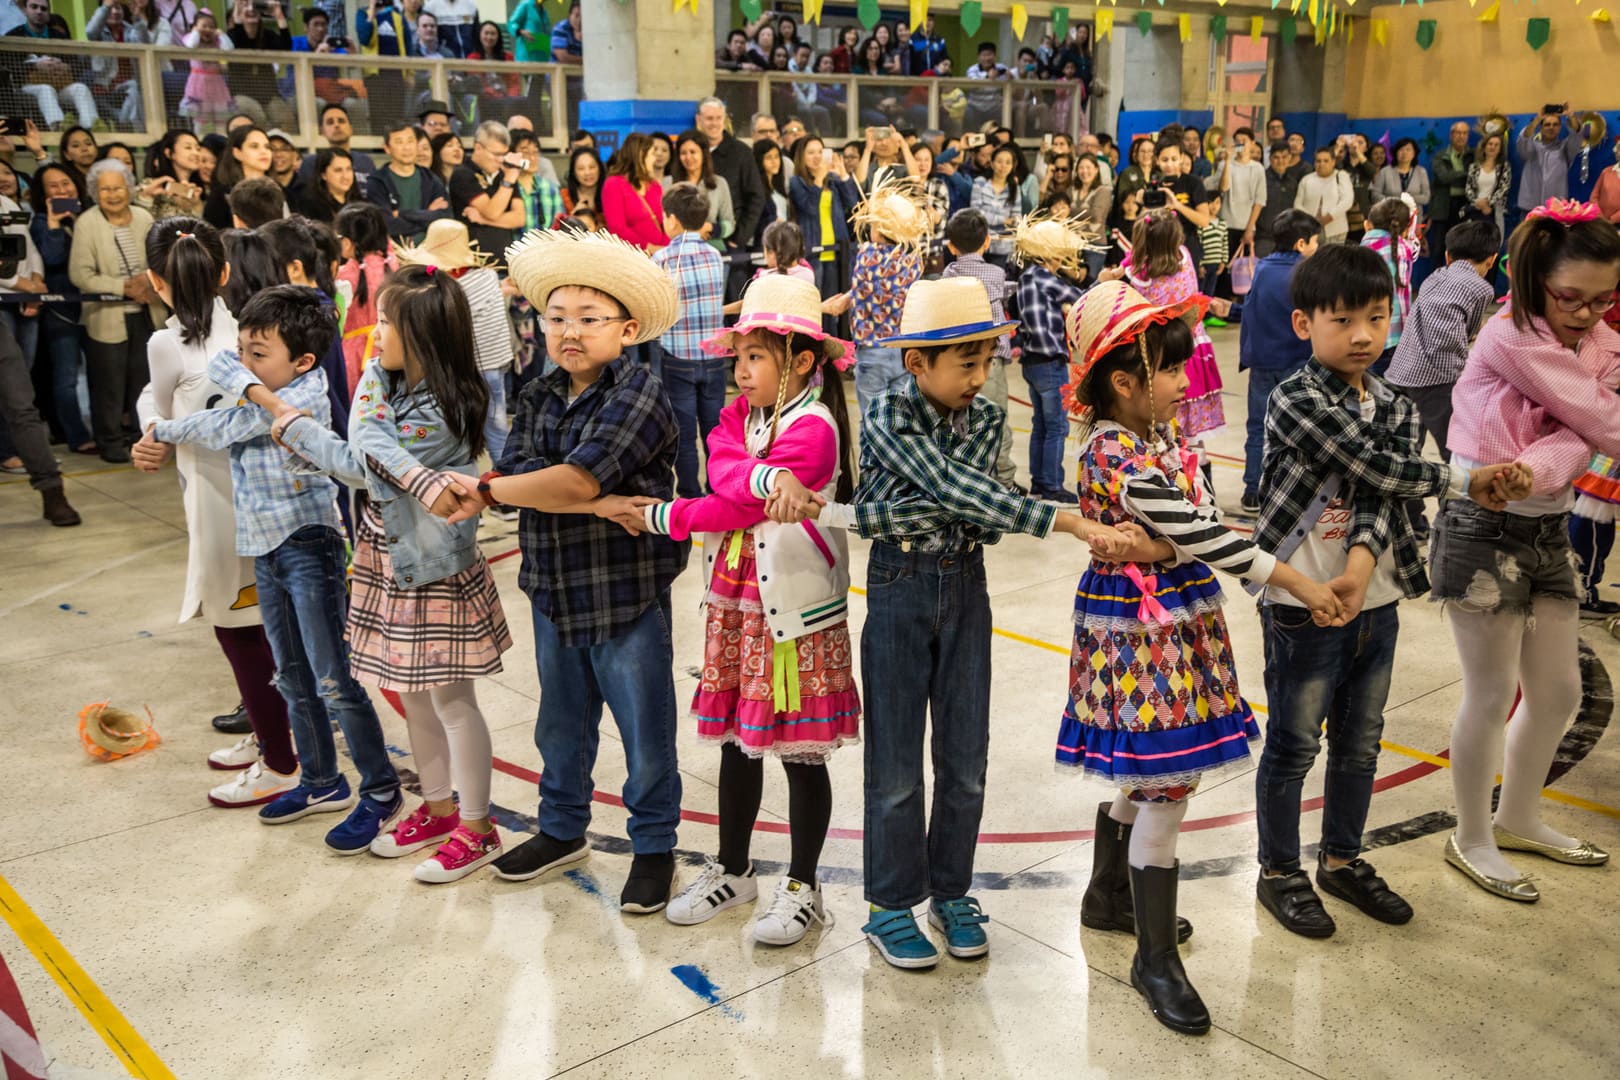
(1585, 853)
(1520, 888)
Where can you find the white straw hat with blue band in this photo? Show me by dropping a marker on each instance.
(948, 311)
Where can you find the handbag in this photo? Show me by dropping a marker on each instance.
(1242, 269)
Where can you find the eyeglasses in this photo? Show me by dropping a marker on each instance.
(585, 324)
(1571, 302)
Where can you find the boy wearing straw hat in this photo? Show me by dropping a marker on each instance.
(1047, 289)
(599, 425)
(930, 502)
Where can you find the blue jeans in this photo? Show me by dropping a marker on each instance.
(633, 674)
(925, 649)
(878, 369)
(1337, 674)
(496, 425)
(697, 392)
(1261, 384)
(1050, 425)
(302, 599)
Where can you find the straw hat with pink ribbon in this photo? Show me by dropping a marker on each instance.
(1107, 316)
(784, 305)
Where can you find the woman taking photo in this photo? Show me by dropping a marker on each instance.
(447, 154)
(692, 165)
(1405, 176)
(937, 198)
(59, 324)
(334, 186)
(176, 158)
(1139, 173)
(247, 156)
(109, 256)
(632, 201)
(999, 199)
(823, 197)
(583, 187)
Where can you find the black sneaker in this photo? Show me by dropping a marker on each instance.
(1058, 497)
(1601, 609)
(1295, 904)
(646, 890)
(538, 854)
(235, 722)
(1359, 885)
(1250, 502)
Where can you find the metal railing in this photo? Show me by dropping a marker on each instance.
(135, 93)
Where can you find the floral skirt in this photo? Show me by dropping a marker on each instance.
(795, 700)
(1203, 411)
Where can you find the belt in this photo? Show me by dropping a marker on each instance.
(908, 547)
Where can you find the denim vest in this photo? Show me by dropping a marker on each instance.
(398, 431)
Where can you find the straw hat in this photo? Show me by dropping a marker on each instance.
(1041, 238)
(544, 261)
(782, 304)
(1111, 314)
(896, 209)
(446, 246)
(1597, 128)
(1494, 123)
(948, 311)
(108, 733)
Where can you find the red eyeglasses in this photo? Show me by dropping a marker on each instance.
(1571, 302)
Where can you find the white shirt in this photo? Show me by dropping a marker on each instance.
(1486, 185)
(31, 263)
(1327, 195)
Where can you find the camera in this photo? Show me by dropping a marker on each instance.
(12, 248)
(1155, 199)
(973, 141)
(338, 42)
(1553, 110)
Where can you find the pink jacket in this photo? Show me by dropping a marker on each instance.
(1525, 397)
(360, 321)
(629, 216)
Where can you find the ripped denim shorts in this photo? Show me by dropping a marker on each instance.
(1486, 561)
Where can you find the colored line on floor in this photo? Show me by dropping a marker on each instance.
(124, 1041)
(75, 475)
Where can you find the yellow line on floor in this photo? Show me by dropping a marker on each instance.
(125, 1043)
(75, 475)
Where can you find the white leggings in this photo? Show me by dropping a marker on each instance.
(1154, 828)
(450, 742)
(1496, 649)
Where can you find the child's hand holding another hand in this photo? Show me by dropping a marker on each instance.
(625, 511)
(1515, 482)
(790, 502)
(456, 504)
(148, 455)
(1487, 486)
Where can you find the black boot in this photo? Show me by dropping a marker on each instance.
(1107, 903)
(1157, 972)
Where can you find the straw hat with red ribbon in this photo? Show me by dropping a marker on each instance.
(1112, 314)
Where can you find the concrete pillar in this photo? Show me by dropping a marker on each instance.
(1108, 57)
(646, 64)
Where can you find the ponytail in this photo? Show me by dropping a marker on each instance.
(832, 396)
(784, 240)
(190, 257)
(365, 228)
(1540, 245)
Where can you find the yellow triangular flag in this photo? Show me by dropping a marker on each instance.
(1105, 24)
(685, 3)
(1349, 30)
(812, 11)
(1020, 20)
(1380, 32)
(919, 12)
(1184, 25)
(1257, 28)
(1492, 12)
(1601, 15)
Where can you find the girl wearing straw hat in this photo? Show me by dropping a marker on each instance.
(1153, 696)
(776, 670)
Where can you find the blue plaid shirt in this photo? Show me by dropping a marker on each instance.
(1041, 296)
(271, 503)
(587, 575)
(700, 277)
(994, 280)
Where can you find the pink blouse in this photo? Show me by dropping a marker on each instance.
(631, 216)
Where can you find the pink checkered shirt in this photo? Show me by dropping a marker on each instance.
(1524, 397)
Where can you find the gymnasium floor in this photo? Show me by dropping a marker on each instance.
(204, 945)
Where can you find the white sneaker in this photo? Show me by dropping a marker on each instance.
(253, 786)
(794, 907)
(237, 756)
(712, 892)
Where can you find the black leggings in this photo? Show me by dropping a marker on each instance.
(742, 779)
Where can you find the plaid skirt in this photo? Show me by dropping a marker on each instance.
(448, 631)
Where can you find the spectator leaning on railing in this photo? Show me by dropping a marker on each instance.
(55, 84)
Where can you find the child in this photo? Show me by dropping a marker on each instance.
(190, 268)
(886, 264)
(967, 235)
(1047, 289)
(1267, 344)
(1214, 246)
(696, 383)
(599, 425)
(207, 98)
(295, 250)
(1538, 389)
(784, 253)
(290, 524)
(425, 620)
(363, 231)
(776, 673)
(1344, 453)
(256, 201)
(929, 499)
(1387, 223)
(1153, 696)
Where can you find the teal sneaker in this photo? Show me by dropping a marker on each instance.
(897, 937)
(962, 922)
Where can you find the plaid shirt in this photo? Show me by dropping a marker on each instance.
(994, 280)
(1450, 310)
(930, 479)
(1318, 448)
(1041, 296)
(271, 502)
(587, 575)
(542, 205)
(699, 274)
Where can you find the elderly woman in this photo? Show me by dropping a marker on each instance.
(109, 256)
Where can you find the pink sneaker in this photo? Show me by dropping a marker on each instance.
(460, 855)
(414, 833)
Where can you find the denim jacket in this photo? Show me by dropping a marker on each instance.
(390, 433)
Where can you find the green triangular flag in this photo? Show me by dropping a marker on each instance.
(1287, 30)
(1425, 34)
(867, 12)
(1217, 27)
(1060, 24)
(1537, 32)
(1144, 22)
(971, 15)
(751, 9)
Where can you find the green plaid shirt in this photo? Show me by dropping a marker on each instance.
(1318, 447)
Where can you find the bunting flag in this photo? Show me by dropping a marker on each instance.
(1274, 4)
(971, 15)
(1105, 24)
(1380, 32)
(1537, 32)
(1425, 33)
(685, 3)
(1293, 7)
(1060, 24)
(1492, 12)
(1020, 20)
(1601, 15)
(752, 9)
(1144, 22)
(866, 11)
(812, 11)
(1287, 30)
(919, 12)
(1349, 30)
(1184, 27)
(1217, 27)
(1257, 27)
